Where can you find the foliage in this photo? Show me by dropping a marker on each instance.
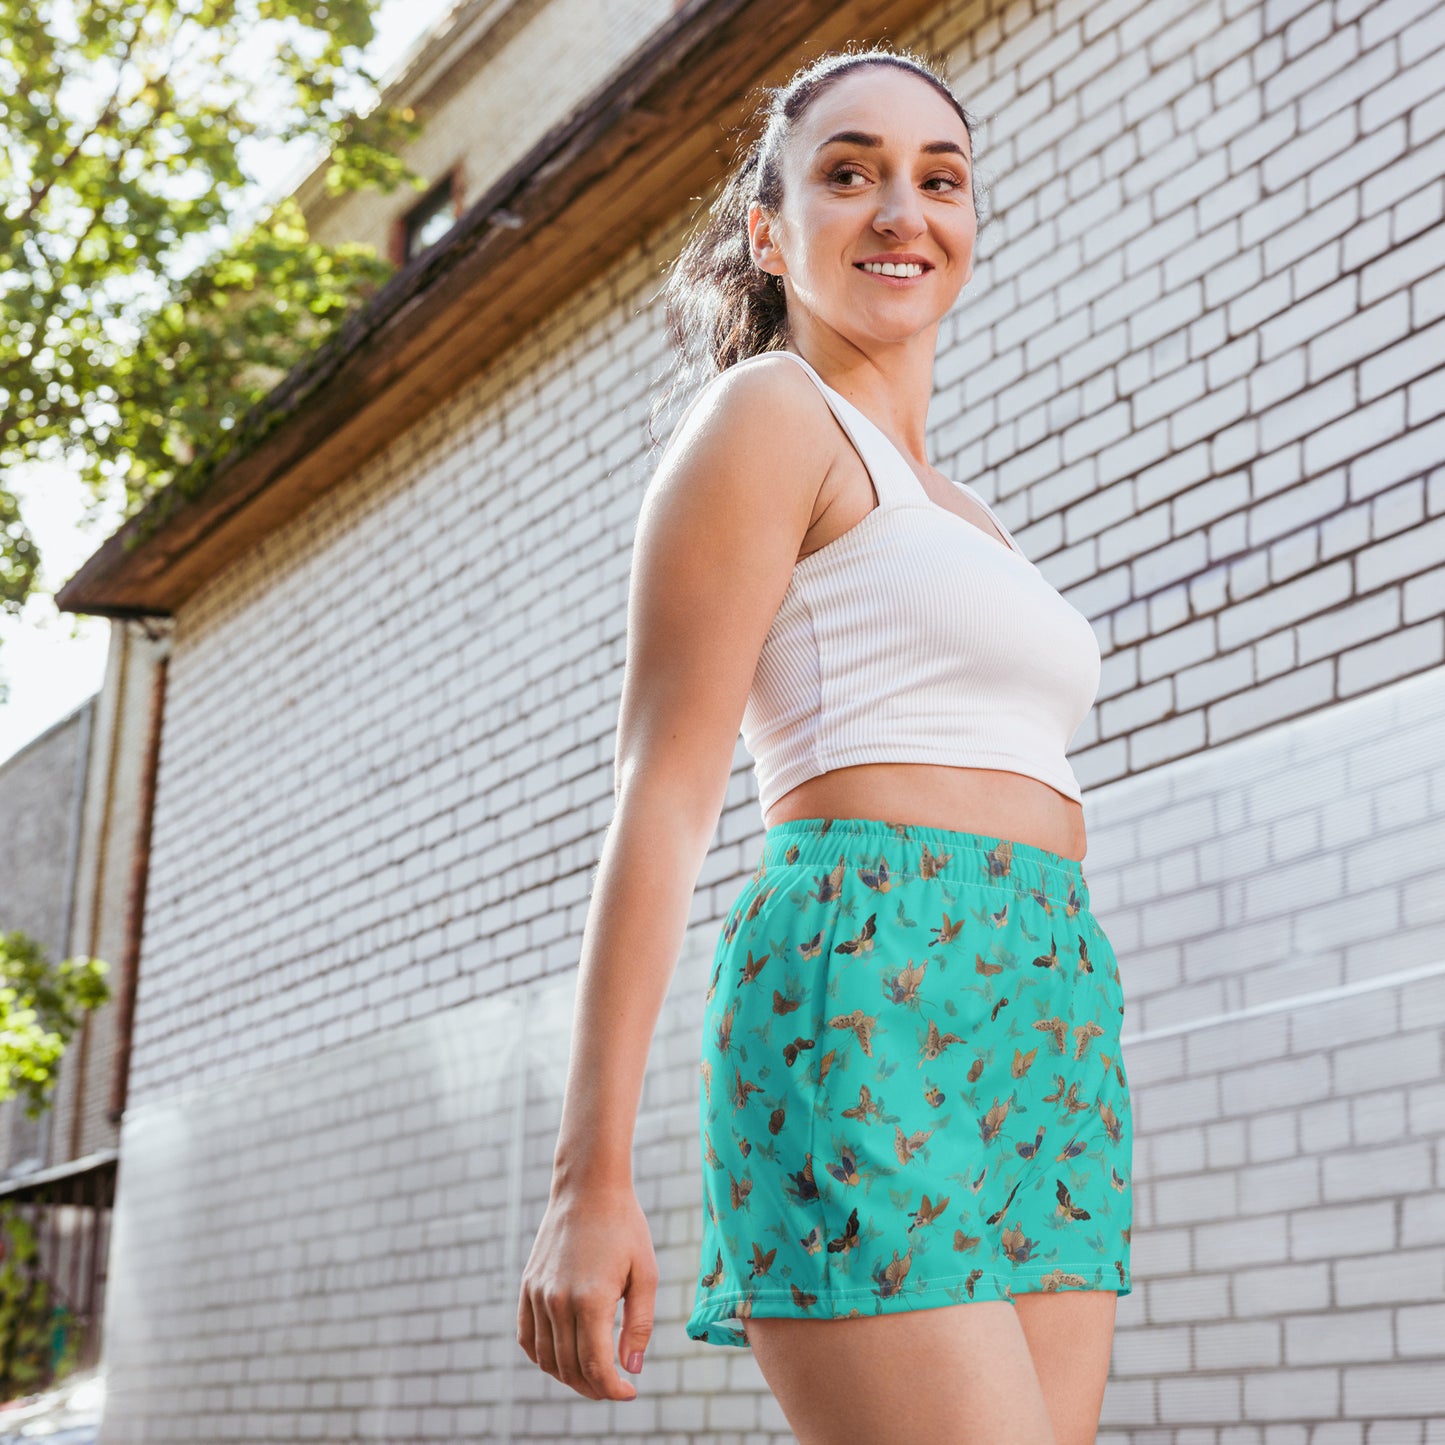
(30, 1313)
(19, 558)
(143, 313)
(40, 1008)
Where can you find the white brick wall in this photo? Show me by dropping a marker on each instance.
(1286, 985)
(1195, 373)
(1199, 365)
(332, 1248)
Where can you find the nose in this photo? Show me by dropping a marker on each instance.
(900, 210)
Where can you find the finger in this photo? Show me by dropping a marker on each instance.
(639, 1310)
(569, 1367)
(546, 1339)
(527, 1325)
(594, 1355)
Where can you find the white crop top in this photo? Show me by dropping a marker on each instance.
(916, 637)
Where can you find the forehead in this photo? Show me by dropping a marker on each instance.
(902, 108)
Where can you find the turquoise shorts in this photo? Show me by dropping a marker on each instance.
(912, 1091)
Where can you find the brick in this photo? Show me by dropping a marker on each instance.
(1424, 596)
(1399, 556)
(1238, 1345)
(1281, 698)
(1216, 678)
(1341, 1230)
(1242, 1243)
(1194, 1101)
(1422, 1220)
(1150, 1352)
(1415, 356)
(1394, 1389)
(1290, 556)
(1287, 1185)
(1200, 1398)
(1410, 1058)
(1421, 1330)
(1390, 1278)
(1293, 1394)
(1340, 1337)
(1181, 558)
(1409, 262)
(1412, 649)
(1199, 1297)
(1294, 601)
(1282, 1289)
(1174, 738)
(1422, 1003)
(1379, 22)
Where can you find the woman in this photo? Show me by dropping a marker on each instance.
(915, 1129)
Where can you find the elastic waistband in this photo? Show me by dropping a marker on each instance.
(952, 853)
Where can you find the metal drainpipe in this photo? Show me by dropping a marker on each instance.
(97, 909)
(72, 863)
(139, 877)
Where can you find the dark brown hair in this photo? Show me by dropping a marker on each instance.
(719, 307)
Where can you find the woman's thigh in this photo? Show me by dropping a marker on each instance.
(1071, 1337)
(951, 1375)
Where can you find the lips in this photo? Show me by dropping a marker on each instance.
(905, 278)
(904, 260)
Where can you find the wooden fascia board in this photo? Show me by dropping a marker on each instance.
(596, 185)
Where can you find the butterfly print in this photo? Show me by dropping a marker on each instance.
(911, 1086)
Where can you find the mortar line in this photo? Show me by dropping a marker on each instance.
(1295, 1001)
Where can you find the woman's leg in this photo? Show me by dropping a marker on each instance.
(1071, 1336)
(952, 1375)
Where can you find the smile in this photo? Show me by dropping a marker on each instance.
(896, 270)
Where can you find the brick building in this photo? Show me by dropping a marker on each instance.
(1198, 371)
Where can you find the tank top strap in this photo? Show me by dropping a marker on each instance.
(894, 480)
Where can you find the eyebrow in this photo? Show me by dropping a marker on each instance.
(863, 138)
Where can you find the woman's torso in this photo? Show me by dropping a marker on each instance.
(981, 800)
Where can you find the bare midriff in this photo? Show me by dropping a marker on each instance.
(991, 801)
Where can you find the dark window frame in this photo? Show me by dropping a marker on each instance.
(446, 195)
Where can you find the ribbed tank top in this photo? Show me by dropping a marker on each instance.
(916, 637)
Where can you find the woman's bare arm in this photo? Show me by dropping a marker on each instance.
(719, 531)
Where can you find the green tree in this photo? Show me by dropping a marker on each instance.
(41, 1005)
(31, 1313)
(144, 309)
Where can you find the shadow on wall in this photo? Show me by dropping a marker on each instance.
(338, 1244)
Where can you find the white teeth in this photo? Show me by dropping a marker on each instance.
(891, 268)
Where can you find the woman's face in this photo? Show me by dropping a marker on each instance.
(898, 183)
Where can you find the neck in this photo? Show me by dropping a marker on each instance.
(892, 386)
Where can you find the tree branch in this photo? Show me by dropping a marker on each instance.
(39, 193)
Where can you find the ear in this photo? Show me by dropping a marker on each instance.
(766, 254)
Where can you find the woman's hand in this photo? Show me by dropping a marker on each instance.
(592, 1248)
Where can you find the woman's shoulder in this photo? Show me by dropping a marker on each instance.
(769, 390)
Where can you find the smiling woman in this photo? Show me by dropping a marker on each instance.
(723, 303)
(913, 1109)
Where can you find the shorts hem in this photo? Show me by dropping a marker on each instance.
(706, 1322)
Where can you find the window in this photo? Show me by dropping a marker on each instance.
(429, 220)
